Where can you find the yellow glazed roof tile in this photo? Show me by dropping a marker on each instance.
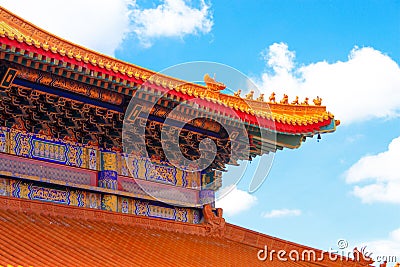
(16, 28)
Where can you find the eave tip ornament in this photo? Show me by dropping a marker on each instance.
(212, 84)
(214, 222)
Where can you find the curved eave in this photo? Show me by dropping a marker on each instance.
(15, 38)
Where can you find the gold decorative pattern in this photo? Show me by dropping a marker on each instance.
(109, 202)
(16, 28)
(72, 86)
(109, 161)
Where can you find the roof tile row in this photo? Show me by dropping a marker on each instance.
(45, 234)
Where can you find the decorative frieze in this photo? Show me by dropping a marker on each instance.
(20, 188)
(108, 179)
(42, 171)
(33, 191)
(40, 147)
(156, 171)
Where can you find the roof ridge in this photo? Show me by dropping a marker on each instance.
(26, 32)
(52, 39)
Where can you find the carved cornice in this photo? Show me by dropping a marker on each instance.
(15, 28)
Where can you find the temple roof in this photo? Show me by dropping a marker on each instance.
(45, 234)
(30, 44)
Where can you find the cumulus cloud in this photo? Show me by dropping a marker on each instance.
(279, 58)
(379, 175)
(281, 213)
(234, 201)
(96, 24)
(172, 18)
(102, 25)
(363, 87)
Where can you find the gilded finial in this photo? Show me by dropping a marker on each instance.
(250, 95)
(305, 102)
(285, 99)
(212, 84)
(272, 98)
(260, 97)
(237, 93)
(317, 101)
(296, 101)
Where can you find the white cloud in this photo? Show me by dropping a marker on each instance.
(385, 248)
(172, 18)
(234, 200)
(281, 213)
(364, 86)
(279, 58)
(96, 24)
(102, 25)
(381, 172)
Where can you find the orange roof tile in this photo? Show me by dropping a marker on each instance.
(45, 234)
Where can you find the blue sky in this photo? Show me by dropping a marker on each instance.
(347, 52)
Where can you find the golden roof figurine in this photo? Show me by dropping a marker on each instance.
(212, 84)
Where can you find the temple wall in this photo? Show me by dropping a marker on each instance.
(160, 172)
(62, 195)
(25, 189)
(168, 194)
(73, 154)
(36, 167)
(51, 150)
